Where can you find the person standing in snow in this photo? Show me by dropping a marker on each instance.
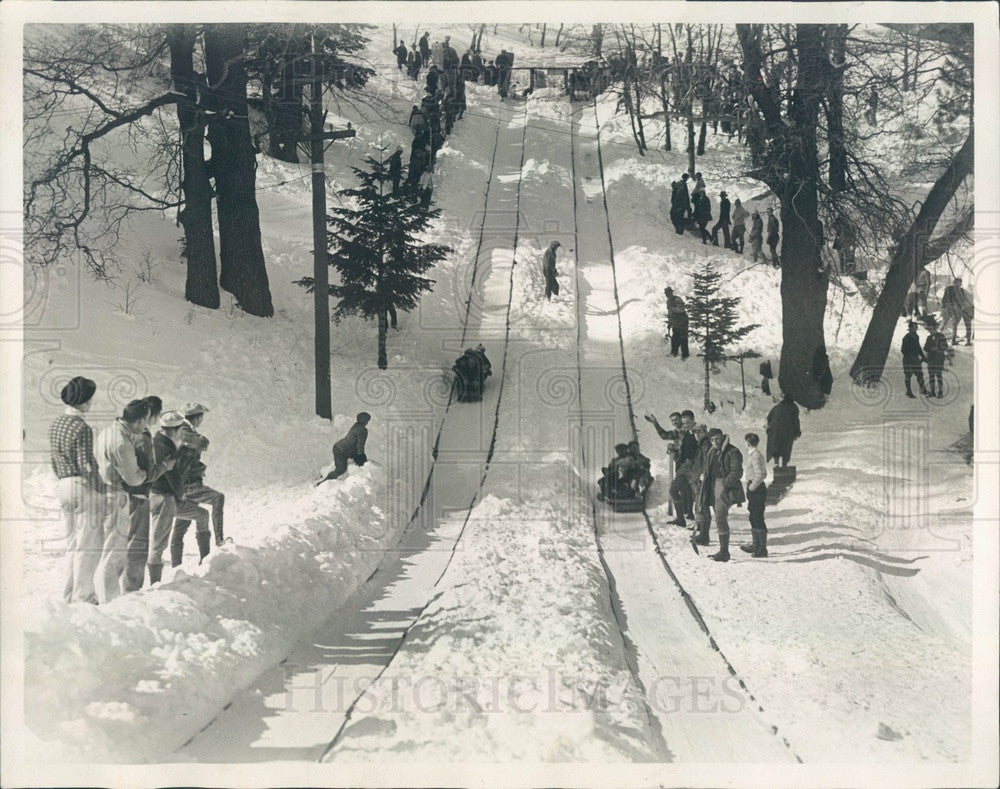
(195, 488)
(685, 448)
(702, 491)
(504, 62)
(400, 52)
(956, 305)
(425, 48)
(756, 498)
(923, 283)
(756, 237)
(739, 226)
(425, 188)
(118, 462)
(350, 447)
(684, 197)
(396, 168)
(80, 489)
(192, 444)
(549, 271)
(702, 214)
(677, 319)
(723, 222)
(699, 186)
(913, 359)
(782, 429)
(413, 64)
(137, 545)
(432, 79)
(724, 477)
(936, 350)
(773, 236)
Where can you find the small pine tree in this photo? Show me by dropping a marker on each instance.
(712, 321)
(376, 250)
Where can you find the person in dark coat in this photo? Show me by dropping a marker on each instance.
(913, 359)
(396, 168)
(782, 429)
(504, 62)
(417, 119)
(936, 350)
(702, 214)
(638, 469)
(702, 491)
(472, 369)
(425, 48)
(413, 64)
(723, 222)
(677, 319)
(756, 237)
(549, 271)
(820, 370)
(724, 475)
(683, 196)
(433, 80)
(608, 484)
(773, 236)
(401, 53)
(450, 109)
(350, 447)
(683, 447)
(739, 226)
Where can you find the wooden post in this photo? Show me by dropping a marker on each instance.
(321, 288)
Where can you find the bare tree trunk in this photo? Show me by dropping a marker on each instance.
(666, 113)
(201, 285)
(701, 136)
(835, 110)
(708, 373)
(542, 42)
(597, 36)
(910, 256)
(558, 35)
(233, 166)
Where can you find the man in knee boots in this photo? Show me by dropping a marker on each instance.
(756, 497)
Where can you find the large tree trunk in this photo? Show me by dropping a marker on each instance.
(701, 136)
(233, 167)
(201, 286)
(803, 287)
(835, 109)
(910, 256)
(383, 330)
(708, 374)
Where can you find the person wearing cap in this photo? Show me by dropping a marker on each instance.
(913, 359)
(351, 446)
(166, 494)
(117, 453)
(724, 479)
(608, 484)
(702, 490)
(195, 489)
(549, 271)
(79, 488)
(723, 222)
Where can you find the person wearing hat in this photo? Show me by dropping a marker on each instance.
(166, 495)
(608, 485)
(723, 222)
(79, 488)
(936, 350)
(724, 480)
(195, 489)
(913, 359)
(549, 271)
(117, 451)
(351, 446)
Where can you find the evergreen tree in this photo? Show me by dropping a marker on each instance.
(712, 321)
(375, 248)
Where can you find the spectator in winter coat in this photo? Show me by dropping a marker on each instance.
(923, 283)
(351, 446)
(400, 52)
(699, 186)
(782, 429)
(702, 492)
(80, 489)
(413, 64)
(677, 320)
(194, 482)
(676, 208)
(425, 187)
(504, 63)
(936, 350)
(702, 214)
(772, 236)
(723, 222)
(167, 495)
(477, 66)
(684, 198)
(549, 271)
(956, 305)
(420, 159)
(739, 226)
(433, 79)
(117, 454)
(756, 497)
(684, 449)
(913, 359)
(396, 168)
(724, 473)
(425, 48)
(756, 234)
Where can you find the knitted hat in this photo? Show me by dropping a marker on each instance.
(78, 391)
(193, 409)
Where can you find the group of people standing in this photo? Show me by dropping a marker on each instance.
(692, 210)
(128, 494)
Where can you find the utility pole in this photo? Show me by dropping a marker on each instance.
(321, 278)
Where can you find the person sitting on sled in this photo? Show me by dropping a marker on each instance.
(609, 483)
(639, 479)
(472, 369)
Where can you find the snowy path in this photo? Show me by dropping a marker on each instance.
(703, 713)
(297, 707)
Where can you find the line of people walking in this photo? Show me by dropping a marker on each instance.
(128, 494)
(692, 210)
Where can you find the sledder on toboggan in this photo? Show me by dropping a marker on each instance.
(472, 369)
(626, 479)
